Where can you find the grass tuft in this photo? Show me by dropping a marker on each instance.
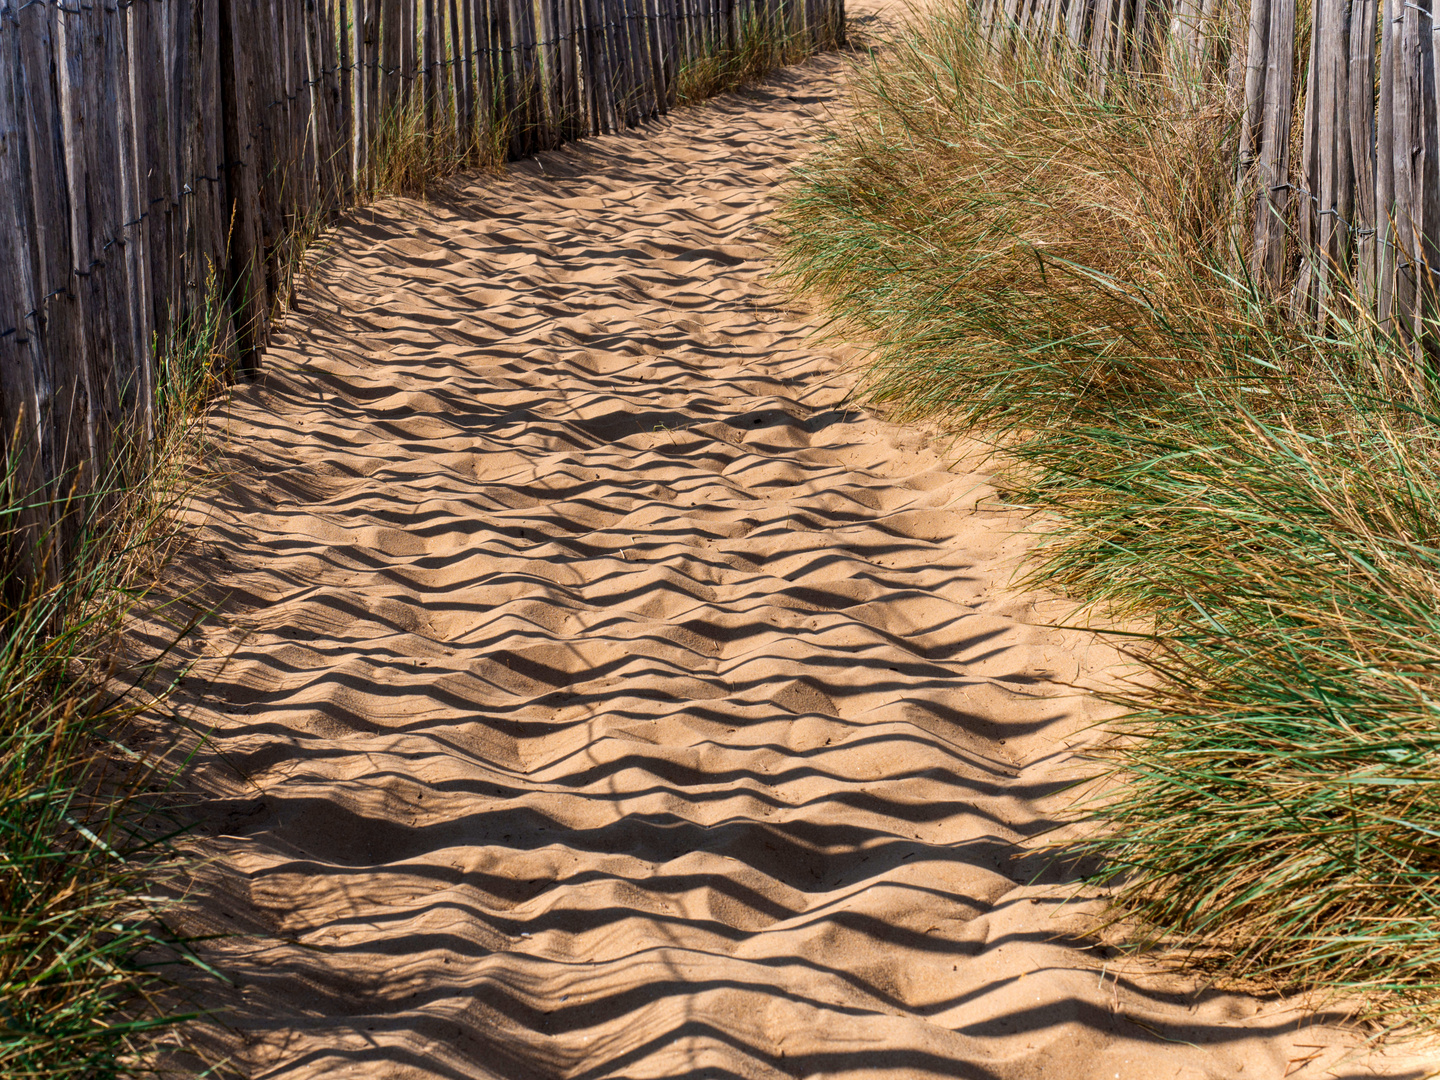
(1064, 274)
(408, 158)
(81, 926)
(763, 42)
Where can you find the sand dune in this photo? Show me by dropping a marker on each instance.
(597, 694)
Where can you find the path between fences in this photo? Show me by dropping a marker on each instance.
(602, 696)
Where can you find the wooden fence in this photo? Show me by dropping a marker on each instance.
(1344, 213)
(146, 144)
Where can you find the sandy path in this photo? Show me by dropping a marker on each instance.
(607, 700)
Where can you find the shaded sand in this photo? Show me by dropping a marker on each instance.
(605, 699)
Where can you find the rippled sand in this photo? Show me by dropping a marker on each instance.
(602, 696)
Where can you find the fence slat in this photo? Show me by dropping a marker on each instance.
(1273, 166)
(25, 384)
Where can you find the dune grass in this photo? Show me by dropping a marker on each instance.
(407, 157)
(82, 933)
(74, 877)
(1060, 274)
(761, 45)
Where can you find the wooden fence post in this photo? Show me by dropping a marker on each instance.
(1385, 173)
(1360, 108)
(245, 284)
(1273, 167)
(429, 64)
(1417, 175)
(26, 396)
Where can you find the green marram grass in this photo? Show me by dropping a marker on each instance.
(1062, 274)
(74, 915)
(83, 942)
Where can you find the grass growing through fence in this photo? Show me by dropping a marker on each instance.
(761, 45)
(193, 367)
(78, 873)
(1059, 272)
(407, 157)
(413, 150)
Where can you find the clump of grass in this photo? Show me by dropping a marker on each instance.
(1285, 797)
(762, 43)
(1062, 272)
(193, 367)
(408, 157)
(73, 880)
(994, 220)
(81, 928)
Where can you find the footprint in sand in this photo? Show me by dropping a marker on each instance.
(609, 699)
